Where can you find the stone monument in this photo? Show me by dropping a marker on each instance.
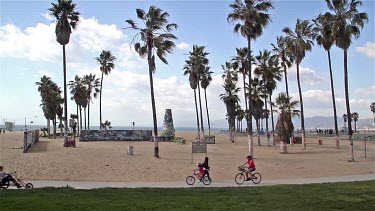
(168, 129)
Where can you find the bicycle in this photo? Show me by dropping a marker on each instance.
(240, 177)
(190, 180)
(22, 184)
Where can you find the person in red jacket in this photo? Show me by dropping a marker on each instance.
(250, 166)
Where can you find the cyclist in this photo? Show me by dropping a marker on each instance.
(200, 170)
(206, 167)
(5, 177)
(250, 168)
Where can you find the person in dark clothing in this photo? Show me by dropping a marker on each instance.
(206, 168)
(5, 177)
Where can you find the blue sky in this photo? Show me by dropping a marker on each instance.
(28, 51)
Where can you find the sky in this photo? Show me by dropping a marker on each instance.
(28, 50)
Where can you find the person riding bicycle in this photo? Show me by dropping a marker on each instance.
(206, 167)
(250, 168)
(5, 177)
(200, 170)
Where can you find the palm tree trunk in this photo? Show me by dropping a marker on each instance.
(287, 94)
(258, 129)
(150, 70)
(88, 114)
(80, 115)
(196, 111)
(333, 101)
(65, 101)
(351, 159)
(78, 121)
(302, 114)
(54, 128)
(49, 128)
(244, 93)
(84, 113)
(100, 102)
(273, 126)
(200, 108)
(250, 119)
(268, 137)
(208, 116)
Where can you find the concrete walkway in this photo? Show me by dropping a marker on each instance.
(182, 183)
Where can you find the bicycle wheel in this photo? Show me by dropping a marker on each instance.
(29, 186)
(240, 178)
(207, 180)
(5, 185)
(256, 178)
(190, 180)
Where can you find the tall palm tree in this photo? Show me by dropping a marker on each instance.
(257, 108)
(45, 87)
(251, 18)
(346, 25)
(230, 98)
(269, 69)
(67, 19)
(93, 85)
(298, 42)
(154, 38)
(324, 37)
(79, 95)
(206, 80)
(355, 117)
(286, 59)
(193, 81)
(284, 125)
(239, 64)
(106, 61)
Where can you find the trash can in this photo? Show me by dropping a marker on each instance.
(130, 150)
(320, 142)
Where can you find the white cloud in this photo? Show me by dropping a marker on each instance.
(183, 46)
(367, 91)
(368, 49)
(307, 76)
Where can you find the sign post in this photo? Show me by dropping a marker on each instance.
(198, 147)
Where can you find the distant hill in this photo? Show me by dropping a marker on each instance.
(310, 123)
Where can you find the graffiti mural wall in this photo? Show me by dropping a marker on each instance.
(115, 135)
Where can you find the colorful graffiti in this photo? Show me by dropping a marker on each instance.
(115, 135)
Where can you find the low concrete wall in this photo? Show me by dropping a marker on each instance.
(115, 135)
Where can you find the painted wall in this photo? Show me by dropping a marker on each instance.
(115, 135)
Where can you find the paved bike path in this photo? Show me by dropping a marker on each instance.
(182, 183)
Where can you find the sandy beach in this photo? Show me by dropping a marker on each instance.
(108, 161)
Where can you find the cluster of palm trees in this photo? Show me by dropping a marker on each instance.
(250, 17)
(199, 76)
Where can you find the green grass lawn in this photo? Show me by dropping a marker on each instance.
(328, 196)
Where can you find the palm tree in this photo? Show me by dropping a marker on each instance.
(206, 80)
(44, 87)
(67, 18)
(298, 42)
(257, 108)
(355, 116)
(251, 18)
(229, 73)
(106, 124)
(59, 113)
(240, 66)
(269, 69)
(345, 117)
(193, 81)
(286, 59)
(93, 85)
(346, 25)
(324, 37)
(230, 98)
(284, 125)
(79, 95)
(156, 37)
(106, 61)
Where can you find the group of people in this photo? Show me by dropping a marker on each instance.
(203, 168)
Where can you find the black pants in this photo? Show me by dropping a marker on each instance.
(206, 173)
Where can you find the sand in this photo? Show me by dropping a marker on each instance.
(108, 161)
